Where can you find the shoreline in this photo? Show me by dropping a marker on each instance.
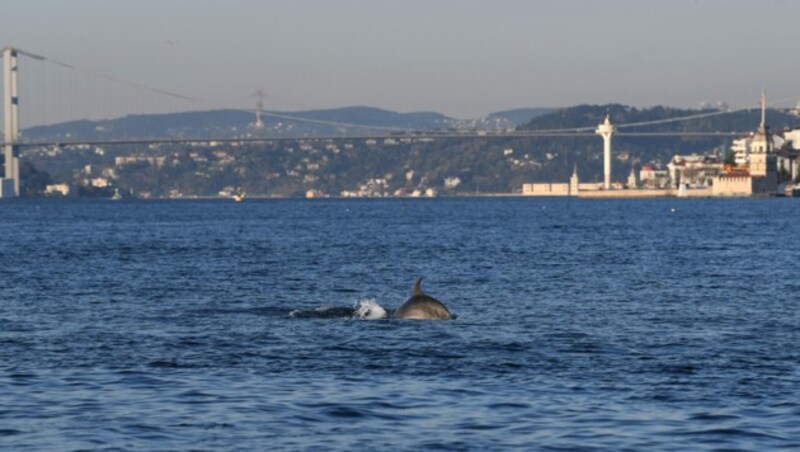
(592, 195)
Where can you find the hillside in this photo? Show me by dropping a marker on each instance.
(394, 164)
(520, 116)
(238, 124)
(591, 115)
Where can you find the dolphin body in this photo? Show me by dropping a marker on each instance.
(422, 307)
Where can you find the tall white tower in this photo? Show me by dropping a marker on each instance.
(9, 185)
(606, 129)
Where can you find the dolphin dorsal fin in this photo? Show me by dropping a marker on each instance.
(417, 287)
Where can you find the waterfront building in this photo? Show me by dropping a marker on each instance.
(7, 187)
(733, 184)
(743, 147)
(791, 139)
(759, 145)
(633, 180)
(760, 175)
(650, 177)
(557, 189)
(788, 163)
(754, 174)
(694, 170)
(57, 189)
(741, 150)
(787, 155)
(545, 189)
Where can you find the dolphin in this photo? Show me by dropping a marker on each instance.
(422, 307)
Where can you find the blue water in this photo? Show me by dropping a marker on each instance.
(641, 324)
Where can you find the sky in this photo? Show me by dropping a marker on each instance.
(462, 58)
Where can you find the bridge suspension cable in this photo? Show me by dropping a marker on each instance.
(121, 80)
(45, 98)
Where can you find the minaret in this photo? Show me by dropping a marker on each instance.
(574, 183)
(606, 129)
(633, 180)
(762, 159)
(763, 128)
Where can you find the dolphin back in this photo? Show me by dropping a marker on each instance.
(422, 306)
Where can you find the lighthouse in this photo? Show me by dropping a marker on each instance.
(605, 130)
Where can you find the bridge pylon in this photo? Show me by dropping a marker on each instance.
(9, 185)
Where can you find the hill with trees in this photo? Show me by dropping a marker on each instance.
(396, 164)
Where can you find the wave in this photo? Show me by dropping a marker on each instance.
(364, 309)
(369, 309)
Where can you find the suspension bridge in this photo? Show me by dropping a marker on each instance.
(64, 92)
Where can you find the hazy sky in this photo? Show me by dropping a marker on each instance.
(464, 58)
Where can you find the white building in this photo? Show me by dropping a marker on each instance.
(792, 138)
(650, 177)
(788, 161)
(743, 147)
(694, 170)
(759, 175)
(57, 189)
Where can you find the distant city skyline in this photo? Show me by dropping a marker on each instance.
(462, 58)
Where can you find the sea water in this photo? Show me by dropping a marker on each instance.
(628, 324)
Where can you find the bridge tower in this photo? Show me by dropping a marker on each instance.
(606, 130)
(9, 185)
(260, 94)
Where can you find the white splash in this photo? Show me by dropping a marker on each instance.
(368, 309)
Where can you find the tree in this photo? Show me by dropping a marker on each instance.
(35, 181)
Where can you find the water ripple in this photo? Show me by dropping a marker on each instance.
(204, 325)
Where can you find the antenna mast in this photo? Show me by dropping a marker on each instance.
(260, 94)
